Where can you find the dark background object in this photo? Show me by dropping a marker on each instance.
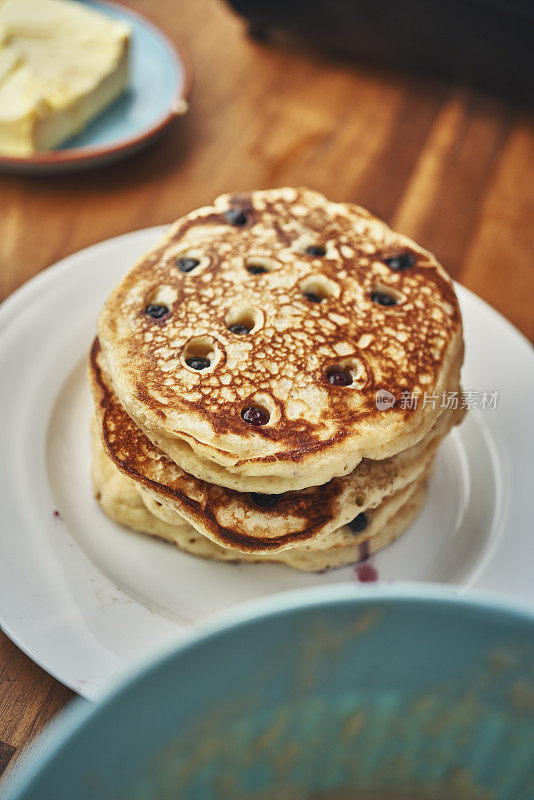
(485, 43)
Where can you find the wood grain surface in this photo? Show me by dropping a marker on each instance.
(449, 167)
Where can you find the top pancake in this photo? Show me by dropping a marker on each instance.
(315, 430)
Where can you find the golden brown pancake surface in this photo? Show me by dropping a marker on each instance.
(246, 521)
(280, 291)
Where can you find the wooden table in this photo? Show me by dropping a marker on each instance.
(453, 169)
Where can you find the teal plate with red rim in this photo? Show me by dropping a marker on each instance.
(158, 90)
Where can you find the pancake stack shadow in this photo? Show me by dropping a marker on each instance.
(272, 382)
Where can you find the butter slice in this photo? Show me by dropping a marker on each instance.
(61, 64)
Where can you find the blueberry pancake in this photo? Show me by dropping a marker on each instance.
(249, 345)
(120, 499)
(236, 377)
(249, 522)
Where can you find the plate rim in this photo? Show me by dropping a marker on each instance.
(27, 291)
(179, 106)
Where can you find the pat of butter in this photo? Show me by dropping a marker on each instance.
(61, 64)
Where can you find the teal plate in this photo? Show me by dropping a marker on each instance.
(406, 688)
(137, 116)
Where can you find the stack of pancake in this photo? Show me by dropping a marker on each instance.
(269, 382)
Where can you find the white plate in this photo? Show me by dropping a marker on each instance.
(85, 598)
